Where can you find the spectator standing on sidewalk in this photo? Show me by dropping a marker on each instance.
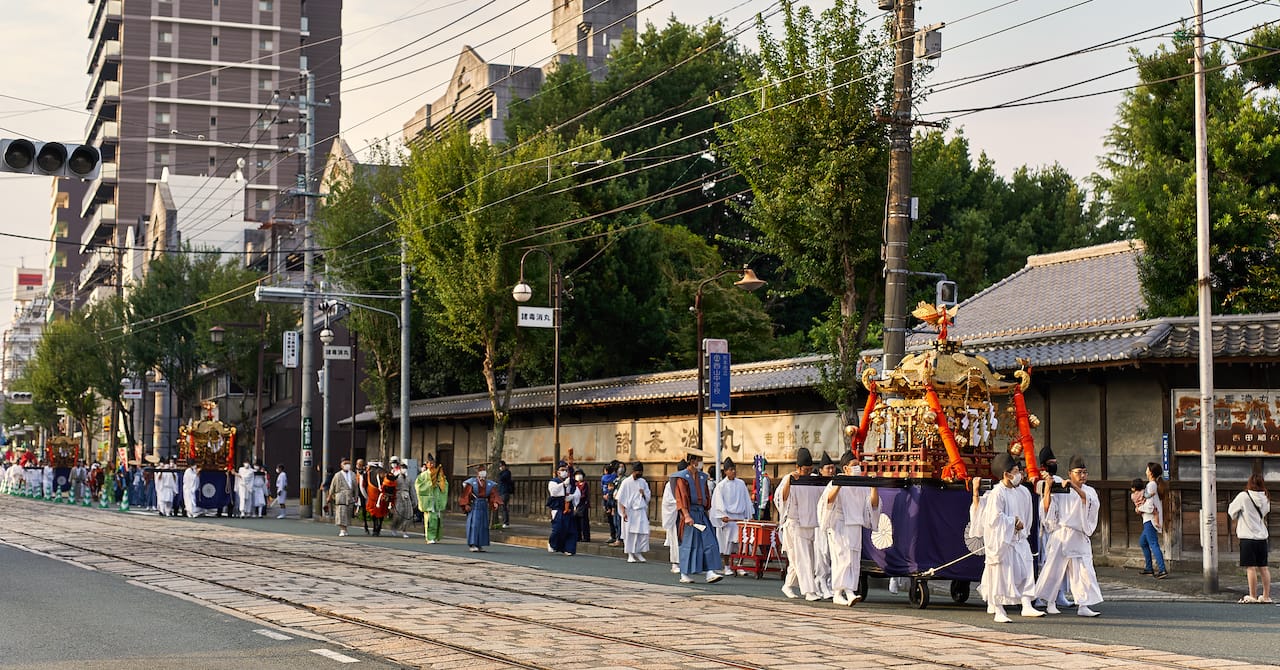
(433, 497)
(1152, 522)
(609, 501)
(506, 489)
(633, 503)
(282, 488)
(479, 498)
(402, 502)
(1250, 509)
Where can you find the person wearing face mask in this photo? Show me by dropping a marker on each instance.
(402, 508)
(633, 503)
(562, 498)
(843, 511)
(1005, 520)
(341, 496)
(699, 551)
(244, 490)
(821, 550)
(582, 510)
(190, 485)
(670, 517)
(433, 497)
(259, 490)
(1070, 519)
(479, 498)
(1048, 484)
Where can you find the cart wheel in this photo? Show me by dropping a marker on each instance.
(919, 593)
(960, 591)
(862, 586)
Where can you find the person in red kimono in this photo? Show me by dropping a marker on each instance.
(378, 503)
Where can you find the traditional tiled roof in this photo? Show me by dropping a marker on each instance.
(745, 379)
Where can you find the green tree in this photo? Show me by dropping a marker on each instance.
(109, 362)
(816, 165)
(467, 213)
(1150, 177)
(65, 368)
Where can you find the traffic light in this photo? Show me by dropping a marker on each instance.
(79, 161)
(20, 397)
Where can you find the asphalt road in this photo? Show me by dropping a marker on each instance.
(54, 615)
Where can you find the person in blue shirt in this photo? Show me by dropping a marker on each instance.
(699, 550)
(562, 498)
(609, 501)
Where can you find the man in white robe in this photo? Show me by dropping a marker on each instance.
(259, 488)
(821, 551)
(244, 489)
(842, 514)
(670, 519)
(1005, 520)
(48, 481)
(730, 504)
(798, 520)
(166, 489)
(633, 498)
(1069, 519)
(190, 486)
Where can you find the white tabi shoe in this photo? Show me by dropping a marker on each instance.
(854, 599)
(685, 579)
(1084, 610)
(789, 592)
(281, 516)
(342, 533)
(713, 576)
(1052, 608)
(631, 558)
(839, 598)
(1001, 617)
(549, 549)
(812, 597)
(728, 572)
(640, 558)
(1028, 610)
(675, 569)
(991, 608)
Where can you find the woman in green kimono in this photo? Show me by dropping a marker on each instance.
(433, 497)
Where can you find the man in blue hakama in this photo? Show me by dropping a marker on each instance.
(699, 550)
(479, 498)
(562, 498)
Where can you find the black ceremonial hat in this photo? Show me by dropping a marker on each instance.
(804, 459)
(1002, 463)
(727, 464)
(1046, 455)
(1077, 462)
(826, 460)
(846, 458)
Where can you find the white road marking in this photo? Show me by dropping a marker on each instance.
(267, 632)
(331, 654)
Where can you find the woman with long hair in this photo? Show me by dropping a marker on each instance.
(1250, 509)
(1152, 523)
(433, 497)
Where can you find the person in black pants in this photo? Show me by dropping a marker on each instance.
(506, 489)
(582, 513)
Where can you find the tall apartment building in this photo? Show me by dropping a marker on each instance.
(66, 226)
(195, 86)
(480, 92)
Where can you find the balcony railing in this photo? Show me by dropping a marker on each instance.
(99, 226)
(107, 132)
(107, 50)
(97, 192)
(105, 11)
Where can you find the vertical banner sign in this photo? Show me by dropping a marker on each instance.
(718, 373)
(1164, 453)
(290, 348)
(307, 456)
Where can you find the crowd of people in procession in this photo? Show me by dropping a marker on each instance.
(821, 526)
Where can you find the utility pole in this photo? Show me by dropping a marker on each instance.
(1208, 463)
(406, 296)
(898, 213)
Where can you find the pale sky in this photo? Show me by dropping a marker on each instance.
(46, 47)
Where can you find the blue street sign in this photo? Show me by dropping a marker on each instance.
(719, 377)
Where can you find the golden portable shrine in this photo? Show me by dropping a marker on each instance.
(943, 413)
(211, 445)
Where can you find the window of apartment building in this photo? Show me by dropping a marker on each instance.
(213, 122)
(213, 80)
(214, 40)
(162, 118)
(166, 37)
(213, 162)
(264, 124)
(266, 85)
(302, 63)
(266, 5)
(162, 159)
(264, 204)
(163, 77)
(266, 45)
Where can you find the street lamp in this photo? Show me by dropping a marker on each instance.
(522, 292)
(326, 338)
(216, 335)
(748, 282)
